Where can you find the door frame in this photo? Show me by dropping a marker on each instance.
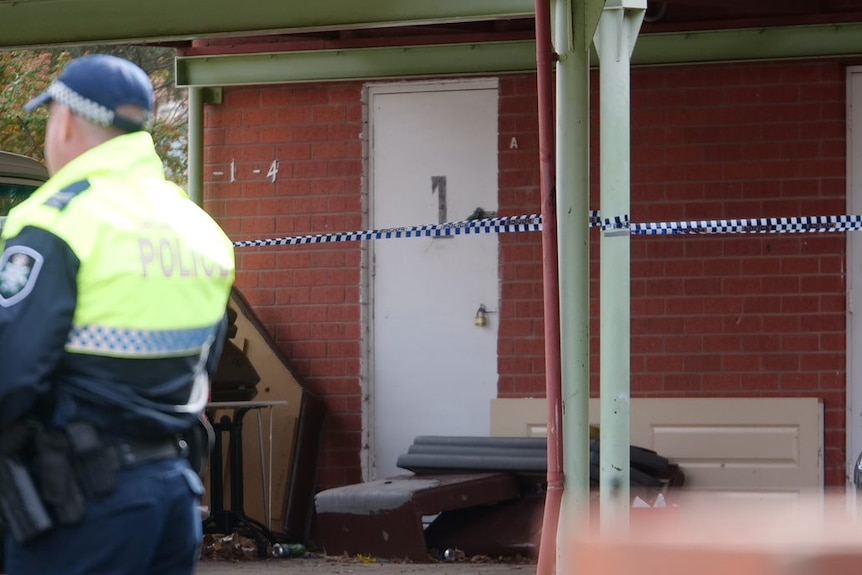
(369, 91)
(854, 275)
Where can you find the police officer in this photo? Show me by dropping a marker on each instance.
(113, 291)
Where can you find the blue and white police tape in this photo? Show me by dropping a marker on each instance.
(533, 223)
(808, 224)
(530, 223)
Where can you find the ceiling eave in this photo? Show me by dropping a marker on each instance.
(31, 23)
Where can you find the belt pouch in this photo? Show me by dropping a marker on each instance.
(95, 464)
(58, 483)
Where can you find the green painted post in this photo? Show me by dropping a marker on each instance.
(615, 40)
(196, 145)
(573, 29)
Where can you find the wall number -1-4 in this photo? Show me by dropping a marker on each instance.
(273, 171)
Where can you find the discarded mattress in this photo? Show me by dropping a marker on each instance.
(520, 455)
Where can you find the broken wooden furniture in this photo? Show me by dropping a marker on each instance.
(454, 480)
(384, 518)
(233, 518)
(297, 419)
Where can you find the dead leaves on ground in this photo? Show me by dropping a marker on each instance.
(231, 547)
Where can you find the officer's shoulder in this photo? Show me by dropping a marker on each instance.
(61, 199)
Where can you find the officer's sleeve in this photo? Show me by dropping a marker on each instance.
(217, 347)
(38, 294)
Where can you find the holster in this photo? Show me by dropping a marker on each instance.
(24, 514)
(64, 465)
(200, 439)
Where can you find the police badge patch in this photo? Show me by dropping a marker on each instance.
(19, 268)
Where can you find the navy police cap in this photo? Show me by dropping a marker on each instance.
(95, 86)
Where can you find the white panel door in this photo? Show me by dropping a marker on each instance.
(433, 158)
(755, 447)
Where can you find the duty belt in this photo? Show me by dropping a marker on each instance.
(131, 453)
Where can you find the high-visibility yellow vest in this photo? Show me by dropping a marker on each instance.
(155, 270)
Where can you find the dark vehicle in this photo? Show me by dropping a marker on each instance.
(19, 177)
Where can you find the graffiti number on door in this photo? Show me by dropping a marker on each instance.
(438, 186)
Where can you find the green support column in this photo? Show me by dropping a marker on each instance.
(196, 145)
(618, 30)
(574, 24)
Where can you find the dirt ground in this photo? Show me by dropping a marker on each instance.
(317, 565)
(239, 555)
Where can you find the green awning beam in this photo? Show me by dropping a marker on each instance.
(356, 64)
(514, 56)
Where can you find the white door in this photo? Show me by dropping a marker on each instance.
(433, 158)
(854, 269)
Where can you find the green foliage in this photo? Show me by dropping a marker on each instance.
(25, 73)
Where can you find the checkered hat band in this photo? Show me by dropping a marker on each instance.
(82, 106)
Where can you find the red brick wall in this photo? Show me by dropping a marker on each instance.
(760, 315)
(711, 315)
(307, 295)
(521, 340)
